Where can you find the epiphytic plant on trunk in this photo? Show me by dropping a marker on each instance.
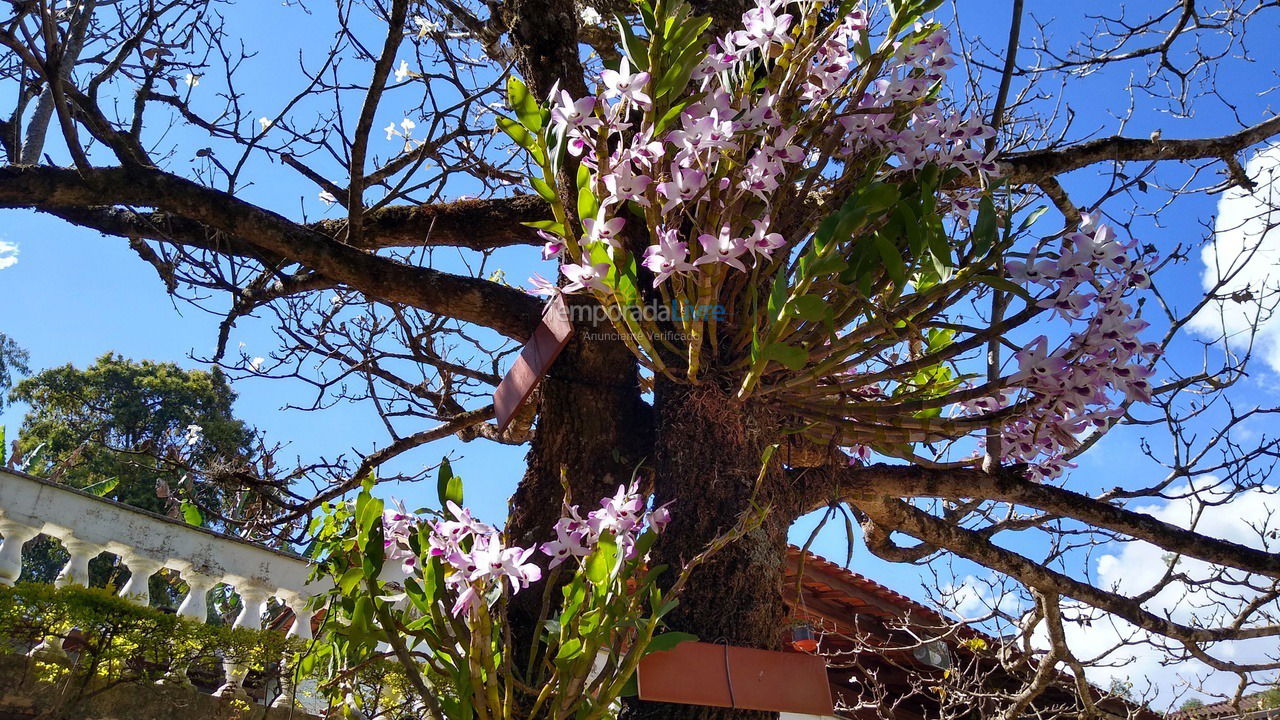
(819, 227)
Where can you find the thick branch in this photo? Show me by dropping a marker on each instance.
(1032, 167)
(902, 517)
(504, 309)
(474, 224)
(1011, 487)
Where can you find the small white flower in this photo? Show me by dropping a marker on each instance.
(256, 363)
(407, 125)
(337, 300)
(193, 434)
(327, 197)
(426, 26)
(391, 131)
(265, 122)
(589, 15)
(403, 73)
(192, 79)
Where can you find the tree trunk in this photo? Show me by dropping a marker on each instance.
(593, 430)
(708, 457)
(592, 433)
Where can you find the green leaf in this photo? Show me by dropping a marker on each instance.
(601, 561)
(670, 115)
(827, 265)
(984, 227)
(690, 33)
(192, 514)
(453, 491)
(938, 339)
(778, 295)
(1004, 284)
(789, 355)
(878, 197)
(418, 597)
(100, 489)
(587, 203)
(516, 132)
(622, 277)
(635, 48)
(768, 453)
(809, 307)
(645, 542)
(572, 648)
(911, 228)
(362, 616)
(555, 149)
(349, 580)
(647, 17)
(368, 512)
(542, 188)
(893, 263)
(375, 551)
(448, 485)
(668, 641)
(550, 226)
(939, 251)
(677, 77)
(525, 107)
(1032, 217)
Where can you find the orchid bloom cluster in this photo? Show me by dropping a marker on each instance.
(433, 589)
(480, 562)
(809, 178)
(710, 184)
(623, 516)
(1069, 391)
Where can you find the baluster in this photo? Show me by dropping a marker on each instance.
(252, 598)
(141, 568)
(76, 571)
(15, 535)
(196, 604)
(301, 628)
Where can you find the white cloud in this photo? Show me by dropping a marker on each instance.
(974, 598)
(1246, 246)
(1137, 566)
(8, 254)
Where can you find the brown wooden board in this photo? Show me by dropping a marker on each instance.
(544, 346)
(695, 673)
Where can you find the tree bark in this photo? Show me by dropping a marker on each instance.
(708, 451)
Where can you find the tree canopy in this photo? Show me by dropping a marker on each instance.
(156, 433)
(152, 435)
(13, 364)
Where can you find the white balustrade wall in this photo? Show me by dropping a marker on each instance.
(146, 543)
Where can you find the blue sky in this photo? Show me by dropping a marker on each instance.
(73, 295)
